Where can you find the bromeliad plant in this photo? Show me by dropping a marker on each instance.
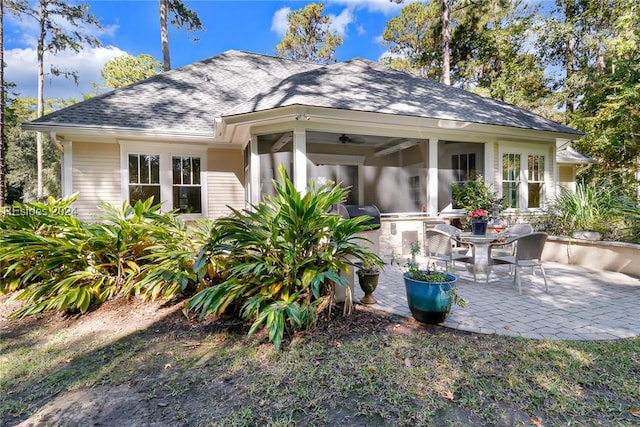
(283, 258)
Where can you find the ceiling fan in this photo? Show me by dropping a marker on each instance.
(348, 140)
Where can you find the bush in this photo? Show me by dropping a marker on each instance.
(57, 262)
(284, 258)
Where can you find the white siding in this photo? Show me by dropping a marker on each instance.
(225, 181)
(96, 177)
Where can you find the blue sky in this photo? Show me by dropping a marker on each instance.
(132, 27)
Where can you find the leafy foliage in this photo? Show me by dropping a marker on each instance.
(58, 262)
(283, 258)
(308, 37)
(589, 208)
(476, 194)
(127, 69)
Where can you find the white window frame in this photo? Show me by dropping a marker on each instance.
(525, 150)
(166, 151)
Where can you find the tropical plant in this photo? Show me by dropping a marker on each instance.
(588, 208)
(283, 258)
(57, 262)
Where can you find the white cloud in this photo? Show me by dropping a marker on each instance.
(22, 71)
(385, 7)
(279, 22)
(339, 23)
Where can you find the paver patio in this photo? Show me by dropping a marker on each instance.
(582, 304)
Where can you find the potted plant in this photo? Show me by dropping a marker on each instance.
(477, 195)
(368, 274)
(430, 293)
(479, 218)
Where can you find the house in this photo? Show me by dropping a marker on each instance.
(212, 134)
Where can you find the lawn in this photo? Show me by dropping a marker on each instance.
(128, 363)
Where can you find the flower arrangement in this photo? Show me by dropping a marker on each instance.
(478, 214)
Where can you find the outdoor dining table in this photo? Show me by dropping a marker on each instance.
(481, 242)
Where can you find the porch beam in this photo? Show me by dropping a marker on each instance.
(432, 178)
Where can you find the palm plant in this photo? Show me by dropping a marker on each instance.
(284, 258)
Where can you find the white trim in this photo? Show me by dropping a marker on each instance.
(432, 178)
(524, 150)
(166, 152)
(300, 160)
(67, 169)
(254, 171)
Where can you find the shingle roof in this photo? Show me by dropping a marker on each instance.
(569, 155)
(362, 85)
(184, 100)
(187, 99)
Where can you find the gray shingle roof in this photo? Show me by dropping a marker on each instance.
(184, 100)
(187, 99)
(362, 85)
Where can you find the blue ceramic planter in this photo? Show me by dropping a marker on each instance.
(429, 302)
(479, 227)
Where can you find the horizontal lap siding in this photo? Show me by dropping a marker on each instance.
(225, 181)
(96, 177)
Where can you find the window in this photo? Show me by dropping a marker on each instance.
(464, 167)
(535, 180)
(186, 184)
(464, 170)
(523, 182)
(511, 179)
(144, 177)
(176, 180)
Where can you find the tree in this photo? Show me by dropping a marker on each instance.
(308, 37)
(126, 69)
(61, 26)
(21, 153)
(180, 16)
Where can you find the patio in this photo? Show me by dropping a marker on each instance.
(582, 304)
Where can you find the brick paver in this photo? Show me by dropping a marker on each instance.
(582, 304)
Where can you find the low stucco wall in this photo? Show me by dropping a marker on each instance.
(601, 255)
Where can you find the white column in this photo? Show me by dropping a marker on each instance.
(489, 168)
(432, 177)
(300, 160)
(254, 172)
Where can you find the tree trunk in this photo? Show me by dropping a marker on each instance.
(446, 40)
(40, 108)
(164, 35)
(3, 141)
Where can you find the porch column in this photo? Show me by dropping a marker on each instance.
(432, 178)
(253, 186)
(300, 160)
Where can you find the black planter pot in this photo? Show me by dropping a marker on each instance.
(368, 281)
(429, 302)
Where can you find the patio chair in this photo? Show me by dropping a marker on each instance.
(513, 231)
(528, 253)
(440, 247)
(454, 232)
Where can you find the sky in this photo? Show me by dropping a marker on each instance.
(133, 27)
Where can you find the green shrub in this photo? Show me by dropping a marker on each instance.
(589, 208)
(283, 258)
(57, 262)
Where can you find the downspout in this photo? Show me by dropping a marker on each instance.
(54, 139)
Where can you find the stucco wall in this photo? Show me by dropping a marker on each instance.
(601, 255)
(96, 177)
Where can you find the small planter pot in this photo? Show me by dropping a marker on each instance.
(479, 227)
(429, 302)
(368, 281)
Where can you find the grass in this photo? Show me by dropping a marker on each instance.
(372, 369)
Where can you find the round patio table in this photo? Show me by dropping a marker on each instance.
(482, 243)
